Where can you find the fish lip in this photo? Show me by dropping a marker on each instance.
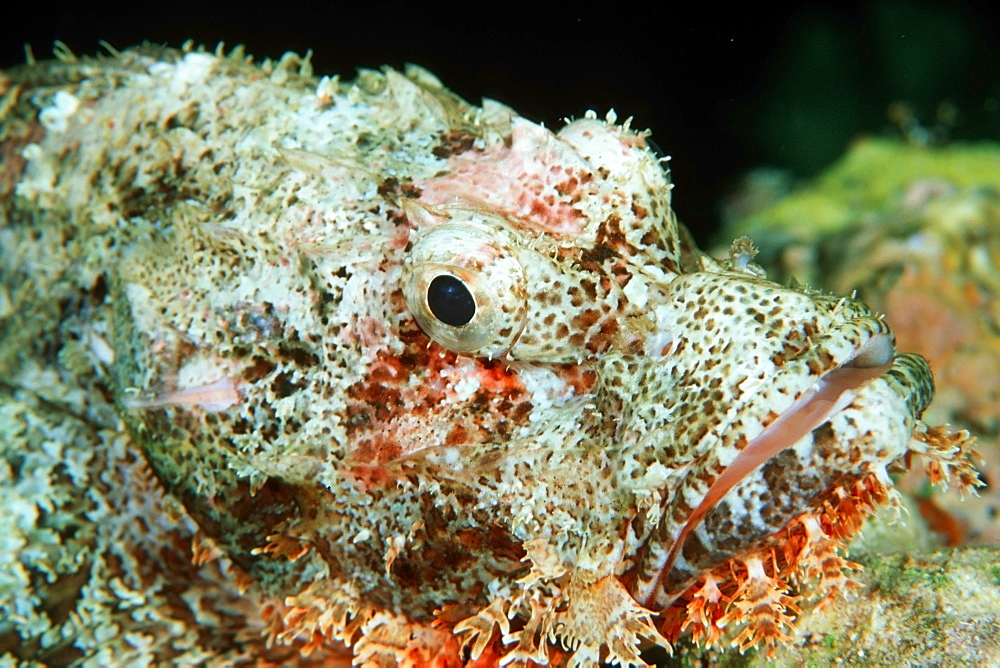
(878, 351)
(830, 394)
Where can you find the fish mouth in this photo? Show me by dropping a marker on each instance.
(830, 394)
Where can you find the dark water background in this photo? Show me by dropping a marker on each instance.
(722, 90)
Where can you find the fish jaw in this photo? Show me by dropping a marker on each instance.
(790, 426)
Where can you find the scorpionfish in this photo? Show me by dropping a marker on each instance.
(434, 384)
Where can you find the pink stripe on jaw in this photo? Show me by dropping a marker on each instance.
(831, 394)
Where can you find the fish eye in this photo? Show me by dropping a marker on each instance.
(450, 301)
(465, 286)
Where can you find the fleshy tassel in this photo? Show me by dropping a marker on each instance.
(821, 557)
(948, 457)
(204, 549)
(704, 611)
(316, 619)
(387, 640)
(761, 603)
(477, 631)
(280, 545)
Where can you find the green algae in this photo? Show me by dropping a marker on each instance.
(869, 180)
(942, 608)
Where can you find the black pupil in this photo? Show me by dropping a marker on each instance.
(450, 301)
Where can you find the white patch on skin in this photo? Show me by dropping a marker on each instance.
(662, 337)
(637, 291)
(656, 477)
(546, 389)
(39, 174)
(56, 116)
(192, 69)
(462, 380)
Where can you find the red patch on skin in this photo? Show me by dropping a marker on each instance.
(407, 402)
(494, 377)
(382, 447)
(369, 477)
(537, 180)
(398, 239)
(582, 379)
(457, 436)
(384, 393)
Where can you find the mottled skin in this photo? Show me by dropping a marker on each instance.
(245, 254)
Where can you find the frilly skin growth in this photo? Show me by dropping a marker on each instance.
(301, 368)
